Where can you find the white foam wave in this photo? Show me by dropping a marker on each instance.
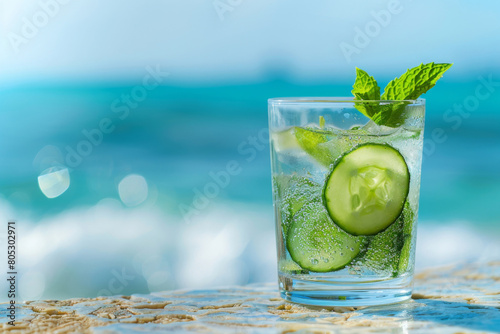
(110, 249)
(453, 242)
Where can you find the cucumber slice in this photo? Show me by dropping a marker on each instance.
(388, 252)
(382, 255)
(317, 244)
(367, 189)
(404, 257)
(294, 192)
(409, 219)
(290, 267)
(409, 225)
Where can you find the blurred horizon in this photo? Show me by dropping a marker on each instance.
(159, 124)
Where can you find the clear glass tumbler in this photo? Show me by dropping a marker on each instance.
(346, 194)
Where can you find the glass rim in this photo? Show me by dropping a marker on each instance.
(334, 100)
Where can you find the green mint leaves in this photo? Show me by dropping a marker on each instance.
(409, 86)
(366, 88)
(414, 82)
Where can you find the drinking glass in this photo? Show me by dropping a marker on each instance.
(345, 193)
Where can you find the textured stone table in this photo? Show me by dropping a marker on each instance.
(456, 299)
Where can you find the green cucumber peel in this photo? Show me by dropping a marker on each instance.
(389, 251)
(294, 192)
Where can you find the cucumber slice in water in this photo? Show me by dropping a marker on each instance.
(294, 192)
(367, 189)
(317, 244)
(383, 252)
(290, 267)
(404, 257)
(388, 252)
(409, 225)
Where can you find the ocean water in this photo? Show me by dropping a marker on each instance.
(121, 211)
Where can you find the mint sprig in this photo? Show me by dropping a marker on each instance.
(365, 88)
(409, 86)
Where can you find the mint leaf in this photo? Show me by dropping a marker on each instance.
(365, 88)
(414, 82)
(409, 86)
(311, 140)
(391, 115)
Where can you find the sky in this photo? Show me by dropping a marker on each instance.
(224, 40)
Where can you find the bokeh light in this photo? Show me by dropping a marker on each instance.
(133, 190)
(54, 181)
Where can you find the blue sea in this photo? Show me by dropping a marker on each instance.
(132, 218)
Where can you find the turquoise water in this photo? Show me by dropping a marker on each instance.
(78, 242)
(177, 135)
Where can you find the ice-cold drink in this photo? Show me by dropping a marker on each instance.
(346, 200)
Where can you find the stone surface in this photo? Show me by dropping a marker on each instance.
(455, 299)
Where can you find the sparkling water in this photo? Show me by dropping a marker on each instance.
(381, 264)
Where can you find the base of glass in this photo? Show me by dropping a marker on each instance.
(345, 293)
